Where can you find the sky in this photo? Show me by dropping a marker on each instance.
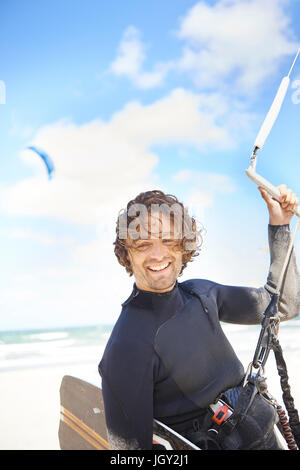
(129, 96)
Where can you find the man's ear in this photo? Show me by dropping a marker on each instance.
(128, 266)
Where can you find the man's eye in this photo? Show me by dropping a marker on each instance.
(142, 245)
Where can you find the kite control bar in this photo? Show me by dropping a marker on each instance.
(263, 183)
(263, 134)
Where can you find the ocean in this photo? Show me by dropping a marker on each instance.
(25, 349)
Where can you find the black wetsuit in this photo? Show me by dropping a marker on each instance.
(168, 356)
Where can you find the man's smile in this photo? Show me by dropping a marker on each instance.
(160, 267)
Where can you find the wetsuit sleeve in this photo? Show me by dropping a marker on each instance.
(244, 305)
(127, 388)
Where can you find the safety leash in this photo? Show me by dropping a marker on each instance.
(291, 427)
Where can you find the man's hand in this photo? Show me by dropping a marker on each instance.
(280, 212)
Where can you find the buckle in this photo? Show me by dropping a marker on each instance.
(221, 414)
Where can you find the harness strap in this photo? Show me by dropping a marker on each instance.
(243, 403)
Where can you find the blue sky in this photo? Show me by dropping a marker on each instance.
(128, 96)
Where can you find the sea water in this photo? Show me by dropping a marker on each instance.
(53, 347)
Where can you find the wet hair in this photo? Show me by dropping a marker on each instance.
(189, 242)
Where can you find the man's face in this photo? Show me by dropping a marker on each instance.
(157, 261)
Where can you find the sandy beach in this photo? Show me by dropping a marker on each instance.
(30, 407)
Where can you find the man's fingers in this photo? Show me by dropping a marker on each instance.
(264, 193)
(293, 203)
(288, 200)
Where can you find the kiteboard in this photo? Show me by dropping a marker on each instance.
(82, 421)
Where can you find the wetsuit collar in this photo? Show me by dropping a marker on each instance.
(143, 294)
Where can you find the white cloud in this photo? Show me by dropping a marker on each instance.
(79, 288)
(215, 182)
(101, 165)
(19, 295)
(235, 42)
(130, 60)
(241, 38)
(41, 238)
(203, 189)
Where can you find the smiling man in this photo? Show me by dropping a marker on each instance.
(155, 264)
(167, 357)
(156, 257)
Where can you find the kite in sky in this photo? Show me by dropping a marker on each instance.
(46, 159)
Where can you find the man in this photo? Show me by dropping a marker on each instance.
(167, 357)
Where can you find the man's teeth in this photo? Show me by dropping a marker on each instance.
(158, 268)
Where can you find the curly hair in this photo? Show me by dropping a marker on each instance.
(190, 239)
